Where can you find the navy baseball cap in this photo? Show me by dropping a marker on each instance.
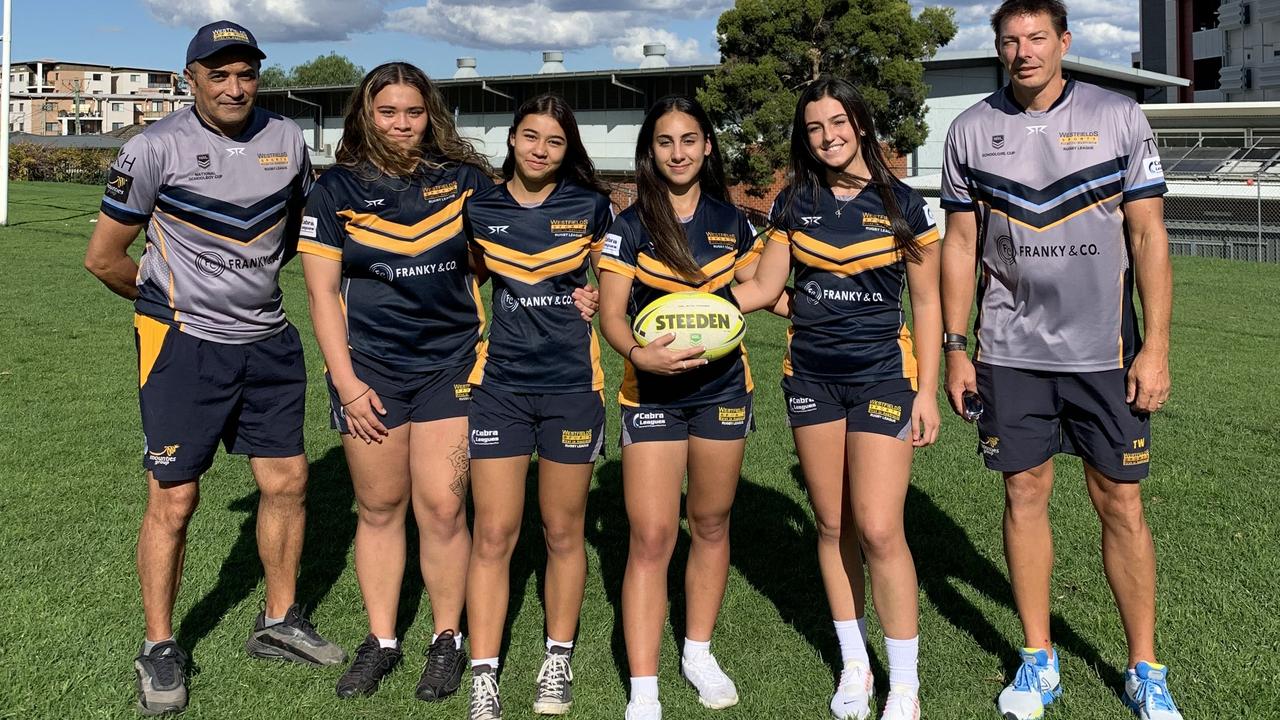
(218, 36)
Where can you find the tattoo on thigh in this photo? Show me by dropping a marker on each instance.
(461, 469)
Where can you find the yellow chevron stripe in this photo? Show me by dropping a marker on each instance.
(406, 247)
(617, 266)
(532, 277)
(842, 254)
(530, 261)
(371, 221)
(845, 269)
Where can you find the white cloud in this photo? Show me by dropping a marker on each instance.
(1100, 29)
(276, 20)
(629, 48)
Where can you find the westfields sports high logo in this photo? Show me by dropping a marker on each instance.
(224, 34)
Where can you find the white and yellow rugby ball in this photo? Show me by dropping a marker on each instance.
(697, 319)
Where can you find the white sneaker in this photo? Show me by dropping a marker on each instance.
(1146, 692)
(852, 700)
(902, 704)
(1036, 684)
(715, 690)
(644, 708)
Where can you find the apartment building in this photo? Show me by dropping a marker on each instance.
(54, 97)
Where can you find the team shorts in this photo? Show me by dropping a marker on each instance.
(406, 396)
(564, 428)
(196, 393)
(882, 407)
(1031, 415)
(727, 420)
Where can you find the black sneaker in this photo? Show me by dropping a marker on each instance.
(162, 679)
(485, 703)
(373, 662)
(555, 683)
(295, 640)
(442, 674)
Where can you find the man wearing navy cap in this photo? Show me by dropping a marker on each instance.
(219, 188)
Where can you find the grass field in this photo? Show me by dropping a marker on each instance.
(72, 494)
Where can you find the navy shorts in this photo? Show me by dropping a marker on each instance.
(1030, 415)
(196, 393)
(564, 428)
(406, 396)
(883, 407)
(727, 420)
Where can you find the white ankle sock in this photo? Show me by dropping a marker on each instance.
(566, 644)
(903, 655)
(457, 640)
(148, 646)
(388, 643)
(491, 662)
(852, 635)
(644, 686)
(695, 647)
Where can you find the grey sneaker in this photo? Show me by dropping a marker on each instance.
(555, 683)
(295, 640)
(162, 679)
(485, 704)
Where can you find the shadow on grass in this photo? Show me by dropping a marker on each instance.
(943, 551)
(331, 526)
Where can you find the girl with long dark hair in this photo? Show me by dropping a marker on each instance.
(396, 308)
(537, 387)
(858, 399)
(681, 414)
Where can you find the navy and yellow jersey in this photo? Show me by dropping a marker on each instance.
(722, 242)
(847, 322)
(411, 300)
(536, 257)
(221, 214)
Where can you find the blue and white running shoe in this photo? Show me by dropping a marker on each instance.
(1036, 685)
(1146, 692)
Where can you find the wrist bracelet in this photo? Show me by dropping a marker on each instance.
(366, 392)
(954, 341)
(633, 349)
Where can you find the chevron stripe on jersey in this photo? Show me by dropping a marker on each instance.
(413, 239)
(1040, 209)
(225, 220)
(533, 268)
(1048, 190)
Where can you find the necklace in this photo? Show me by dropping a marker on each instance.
(844, 204)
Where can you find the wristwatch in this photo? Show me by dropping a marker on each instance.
(952, 342)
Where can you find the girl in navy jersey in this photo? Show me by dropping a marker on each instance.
(396, 308)
(857, 399)
(680, 413)
(537, 387)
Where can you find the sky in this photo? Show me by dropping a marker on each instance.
(505, 36)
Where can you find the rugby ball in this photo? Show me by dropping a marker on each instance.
(697, 319)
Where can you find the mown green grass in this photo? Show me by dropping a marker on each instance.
(71, 495)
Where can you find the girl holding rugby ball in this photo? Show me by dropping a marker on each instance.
(680, 413)
(537, 386)
(857, 399)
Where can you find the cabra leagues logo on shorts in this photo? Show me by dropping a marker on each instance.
(646, 419)
(485, 437)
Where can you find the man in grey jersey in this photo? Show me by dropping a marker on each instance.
(1054, 193)
(219, 189)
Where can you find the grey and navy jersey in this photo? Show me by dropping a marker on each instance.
(220, 212)
(1048, 190)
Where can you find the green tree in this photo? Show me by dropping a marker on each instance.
(331, 69)
(273, 77)
(770, 48)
